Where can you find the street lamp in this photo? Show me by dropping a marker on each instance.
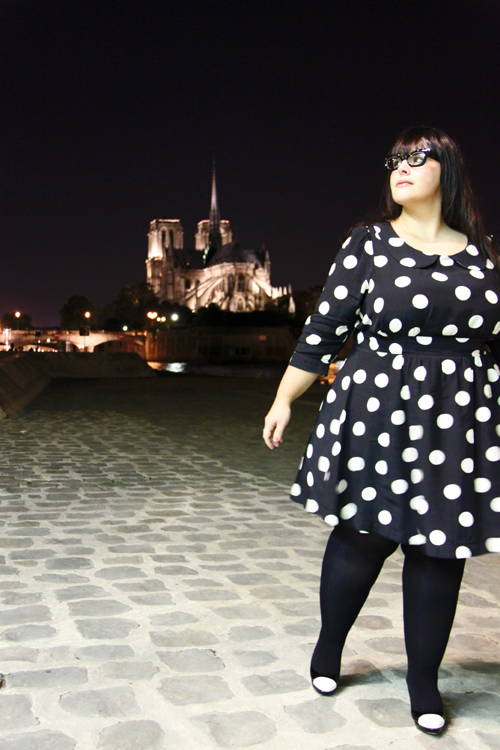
(174, 317)
(87, 314)
(18, 315)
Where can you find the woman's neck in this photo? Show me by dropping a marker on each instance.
(425, 226)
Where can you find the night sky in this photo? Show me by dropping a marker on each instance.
(111, 111)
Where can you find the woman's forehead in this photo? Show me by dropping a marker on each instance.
(411, 146)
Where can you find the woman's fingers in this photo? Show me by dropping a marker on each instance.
(274, 426)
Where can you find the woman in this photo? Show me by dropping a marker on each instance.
(405, 446)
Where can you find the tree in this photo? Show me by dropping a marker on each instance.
(73, 313)
(132, 305)
(16, 323)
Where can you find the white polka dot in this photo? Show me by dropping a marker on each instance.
(381, 467)
(497, 430)
(445, 421)
(491, 297)
(369, 493)
(493, 375)
(350, 261)
(495, 504)
(496, 329)
(448, 366)
(462, 398)
(420, 373)
(332, 268)
(398, 417)
(395, 325)
(356, 463)
(396, 241)
(469, 374)
(437, 457)
(414, 331)
(311, 506)
(446, 261)
(301, 463)
(476, 321)
(469, 436)
(374, 345)
(369, 247)
(476, 273)
(381, 380)
(336, 448)
(346, 382)
(419, 504)
(467, 465)
(348, 511)
(378, 305)
(483, 414)
(417, 539)
(296, 490)
(493, 453)
(450, 330)
(320, 430)
(462, 552)
(416, 431)
(489, 264)
(437, 537)
(425, 402)
(420, 301)
(408, 262)
(439, 276)
(340, 292)
(493, 544)
(424, 340)
(346, 242)
(367, 321)
(343, 415)
(481, 484)
(402, 281)
(359, 376)
(409, 455)
(331, 520)
(384, 517)
(380, 261)
(405, 393)
(399, 486)
(487, 391)
(309, 451)
(466, 519)
(359, 428)
(310, 478)
(463, 293)
(323, 464)
(384, 439)
(324, 308)
(341, 487)
(452, 491)
(472, 250)
(373, 404)
(416, 476)
(326, 359)
(335, 426)
(395, 348)
(313, 339)
(398, 362)
(331, 396)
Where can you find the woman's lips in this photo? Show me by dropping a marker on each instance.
(403, 182)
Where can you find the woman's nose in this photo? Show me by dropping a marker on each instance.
(404, 167)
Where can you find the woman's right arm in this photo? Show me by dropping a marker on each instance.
(294, 383)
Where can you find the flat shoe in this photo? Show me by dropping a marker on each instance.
(323, 685)
(429, 723)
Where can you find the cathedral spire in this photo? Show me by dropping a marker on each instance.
(214, 234)
(214, 208)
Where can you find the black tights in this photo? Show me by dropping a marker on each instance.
(431, 586)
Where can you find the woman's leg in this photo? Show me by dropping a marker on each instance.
(351, 566)
(430, 592)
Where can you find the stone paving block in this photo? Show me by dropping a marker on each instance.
(277, 592)
(150, 585)
(34, 613)
(373, 622)
(129, 670)
(352, 747)
(62, 578)
(14, 543)
(152, 600)
(474, 644)
(316, 716)
(192, 660)
(242, 612)
(14, 598)
(211, 595)
(255, 658)
(187, 637)
(115, 701)
(41, 678)
(175, 570)
(104, 651)
(468, 599)
(43, 740)
(490, 739)
(69, 563)
(298, 609)
(237, 729)
(172, 618)
(389, 645)
(284, 681)
(363, 672)
(106, 628)
(15, 713)
(28, 633)
(18, 653)
(132, 735)
(80, 592)
(32, 554)
(97, 608)
(119, 572)
(308, 627)
(184, 691)
(477, 704)
(249, 632)
(386, 712)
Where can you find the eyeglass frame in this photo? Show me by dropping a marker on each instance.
(427, 151)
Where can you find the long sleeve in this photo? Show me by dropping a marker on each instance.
(327, 330)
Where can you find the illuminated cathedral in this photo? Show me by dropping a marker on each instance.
(216, 271)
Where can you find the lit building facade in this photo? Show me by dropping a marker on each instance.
(217, 271)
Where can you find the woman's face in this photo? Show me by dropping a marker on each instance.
(414, 185)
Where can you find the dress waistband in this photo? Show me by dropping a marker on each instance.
(431, 345)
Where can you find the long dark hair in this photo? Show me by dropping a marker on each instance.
(459, 207)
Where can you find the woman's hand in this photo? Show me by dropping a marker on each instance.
(275, 423)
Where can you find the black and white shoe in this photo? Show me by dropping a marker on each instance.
(323, 685)
(429, 723)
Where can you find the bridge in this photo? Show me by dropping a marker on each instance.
(55, 339)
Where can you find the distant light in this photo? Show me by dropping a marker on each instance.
(152, 315)
(161, 320)
(125, 328)
(175, 367)
(17, 314)
(48, 341)
(174, 316)
(87, 314)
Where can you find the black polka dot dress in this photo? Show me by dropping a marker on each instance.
(407, 440)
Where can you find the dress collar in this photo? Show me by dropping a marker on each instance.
(470, 258)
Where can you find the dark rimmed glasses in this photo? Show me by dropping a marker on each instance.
(414, 159)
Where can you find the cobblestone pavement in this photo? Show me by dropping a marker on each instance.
(158, 589)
